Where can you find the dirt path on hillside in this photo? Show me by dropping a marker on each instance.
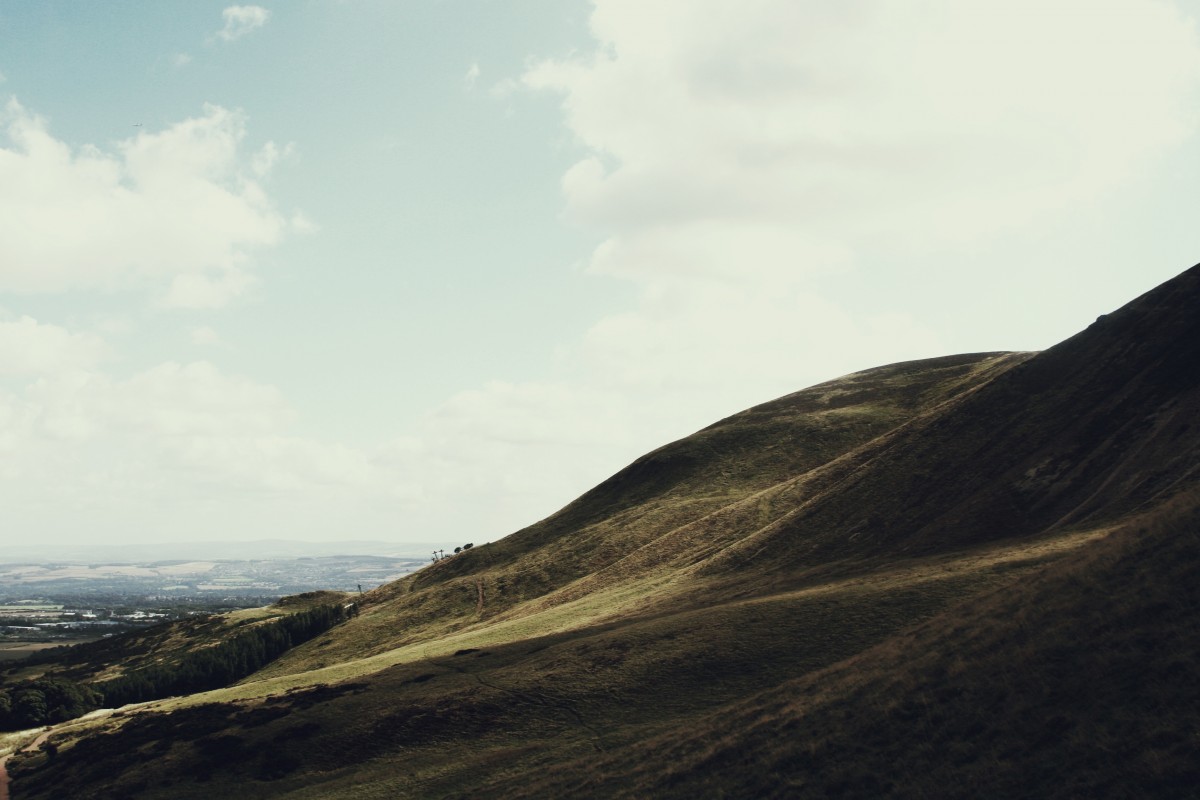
(29, 748)
(40, 739)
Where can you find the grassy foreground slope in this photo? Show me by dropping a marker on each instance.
(794, 600)
(443, 723)
(1081, 681)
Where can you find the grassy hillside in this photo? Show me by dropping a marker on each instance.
(1080, 681)
(439, 721)
(669, 508)
(899, 582)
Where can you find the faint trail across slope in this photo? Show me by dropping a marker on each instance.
(29, 748)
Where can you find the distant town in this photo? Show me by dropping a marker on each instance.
(45, 605)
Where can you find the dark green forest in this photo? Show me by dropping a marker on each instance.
(50, 699)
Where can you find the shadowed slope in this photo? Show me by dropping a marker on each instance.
(1080, 682)
(1098, 426)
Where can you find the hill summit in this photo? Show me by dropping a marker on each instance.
(966, 576)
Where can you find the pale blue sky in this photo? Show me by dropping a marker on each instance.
(437, 205)
(427, 270)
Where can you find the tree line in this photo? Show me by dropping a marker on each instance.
(48, 700)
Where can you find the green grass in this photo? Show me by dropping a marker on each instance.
(573, 678)
(1080, 680)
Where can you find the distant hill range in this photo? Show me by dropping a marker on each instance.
(149, 552)
(970, 576)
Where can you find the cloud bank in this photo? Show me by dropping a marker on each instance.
(179, 447)
(179, 211)
(788, 129)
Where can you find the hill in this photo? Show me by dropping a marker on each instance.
(1080, 681)
(898, 583)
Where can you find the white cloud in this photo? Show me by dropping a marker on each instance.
(504, 88)
(183, 445)
(472, 75)
(205, 336)
(739, 156)
(200, 290)
(28, 347)
(929, 122)
(175, 210)
(180, 60)
(268, 156)
(195, 399)
(301, 223)
(240, 20)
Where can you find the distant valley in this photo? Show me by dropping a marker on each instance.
(44, 605)
(214, 580)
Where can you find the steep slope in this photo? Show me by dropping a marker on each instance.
(648, 507)
(774, 563)
(1080, 682)
(1096, 427)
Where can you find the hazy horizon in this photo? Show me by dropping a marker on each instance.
(210, 550)
(425, 272)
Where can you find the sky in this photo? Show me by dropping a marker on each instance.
(425, 271)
